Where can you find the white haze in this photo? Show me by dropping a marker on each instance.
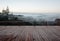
(41, 16)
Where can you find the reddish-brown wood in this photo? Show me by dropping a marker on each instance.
(29, 33)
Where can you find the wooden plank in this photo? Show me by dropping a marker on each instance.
(29, 33)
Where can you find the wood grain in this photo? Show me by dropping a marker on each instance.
(29, 33)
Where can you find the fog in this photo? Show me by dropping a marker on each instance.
(40, 16)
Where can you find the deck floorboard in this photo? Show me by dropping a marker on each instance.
(29, 33)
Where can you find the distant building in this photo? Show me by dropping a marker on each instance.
(5, 11)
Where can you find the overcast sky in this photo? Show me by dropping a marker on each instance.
(38, 6)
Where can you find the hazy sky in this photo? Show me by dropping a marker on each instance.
(38, 6)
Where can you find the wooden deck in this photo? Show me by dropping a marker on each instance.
(29, 33)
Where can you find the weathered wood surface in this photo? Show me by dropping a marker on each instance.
(29, 33)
